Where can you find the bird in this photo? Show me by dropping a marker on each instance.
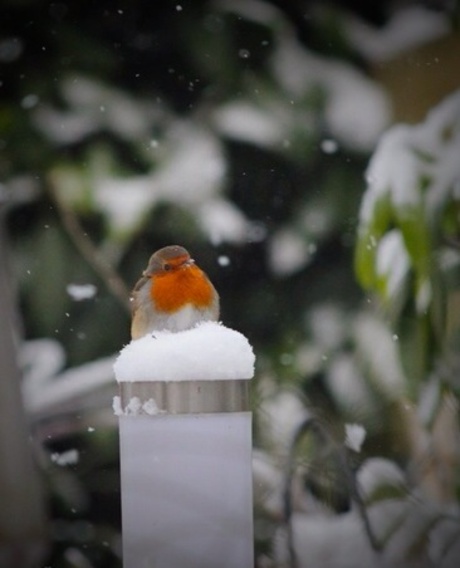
(173, 294)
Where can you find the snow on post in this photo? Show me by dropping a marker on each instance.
(185, 449)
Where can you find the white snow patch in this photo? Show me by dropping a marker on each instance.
(70, 457)
(326, 541)
(329, 146)
(357, 110)
(41, 394)
(40, 359)
(63, 127)
(124, 200)
(94, 106)
(406, 155)
(384, 363)
(280, 416)
(223, 221)
(439, 135)
(355, 435)
(80, 292)
(406, 30)
(339, 541)
(150, 407)
(347, 385)
(424, 296)
(209, 351)
(116, 405)
(289, 252)
(190, 171)
(328, 325)
(392, 261)
(194, 165)
(134, 406)
(245, 121)
(393, 169)
(377, 472)
(268, 482)
(316, 220)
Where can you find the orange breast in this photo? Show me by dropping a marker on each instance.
(187, 285)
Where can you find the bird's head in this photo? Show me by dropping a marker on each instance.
(167, 259)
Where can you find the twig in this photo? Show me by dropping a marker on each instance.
(304, 427)
(311, 425)
(356, 497)
(88, 250)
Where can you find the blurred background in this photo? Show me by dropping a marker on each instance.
(266, 137)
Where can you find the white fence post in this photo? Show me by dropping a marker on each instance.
(185, 451)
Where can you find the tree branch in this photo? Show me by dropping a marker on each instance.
(89, 251)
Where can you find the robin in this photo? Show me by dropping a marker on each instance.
(173, 294)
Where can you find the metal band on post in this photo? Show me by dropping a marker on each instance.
(188, 397)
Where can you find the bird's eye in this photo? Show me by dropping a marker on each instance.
(167, 266)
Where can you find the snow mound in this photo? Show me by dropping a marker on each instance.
(209, 351)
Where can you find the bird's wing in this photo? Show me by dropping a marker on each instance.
(142, 280)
